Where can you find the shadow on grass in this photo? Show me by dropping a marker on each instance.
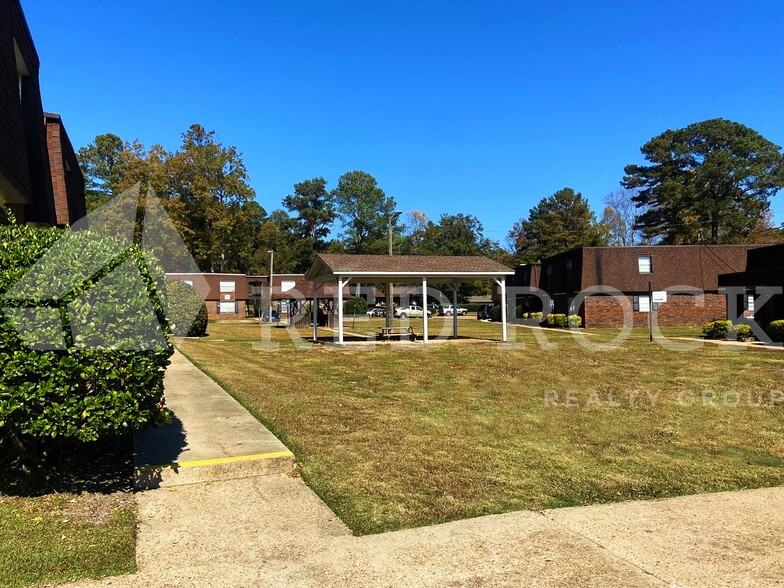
(105, 466)
(102, 467)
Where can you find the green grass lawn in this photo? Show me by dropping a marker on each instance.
(75, 520)
(400, 436)
(46, 540)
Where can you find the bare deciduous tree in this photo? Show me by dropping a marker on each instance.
(620, 215)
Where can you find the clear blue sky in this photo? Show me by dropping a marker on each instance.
(474, 107)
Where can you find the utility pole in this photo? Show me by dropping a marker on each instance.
(388, 304)
(272, 259)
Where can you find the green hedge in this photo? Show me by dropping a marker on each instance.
(726, 330)
(83, 339)
(562, 321)
(718, 329)
(776, 331)
(743, 332)
(186, 312)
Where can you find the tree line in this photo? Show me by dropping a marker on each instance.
(710, 182)
(206, 191)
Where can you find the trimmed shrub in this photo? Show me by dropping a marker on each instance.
(717, 329)
(536, 315)
(181, 299)
(574, 320)
(519, 312)
(559, 321)
(775, 331)
(743, 332)
(495, 313)
(82, 339)
(355, 306)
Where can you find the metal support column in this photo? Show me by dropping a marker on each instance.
(504, 306)
(314, 312)
(340, 310)
(424, 308)
(454, 310)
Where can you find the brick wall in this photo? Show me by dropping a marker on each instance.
(67, 178)
(212, 310)
(13, 152)
(680, 310)
(24, 160)
(57, 167)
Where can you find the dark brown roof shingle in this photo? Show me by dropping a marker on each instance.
(347, 263)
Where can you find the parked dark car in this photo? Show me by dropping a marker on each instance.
(485, 312)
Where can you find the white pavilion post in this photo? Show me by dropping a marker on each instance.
(424, 309)
(454, 310)
(340, 310)
(314, 311)
(503, 309)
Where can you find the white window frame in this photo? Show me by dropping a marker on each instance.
(644, 261)
(643, 303)
(225, 305)
(228, 286)
(189, 282)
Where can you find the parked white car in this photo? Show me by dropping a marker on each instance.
(412, 311)
(460, 311)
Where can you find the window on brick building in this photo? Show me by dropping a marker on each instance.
(22, 70)
(748, 302)
(227, 286)
(645, 264)
(642, 303)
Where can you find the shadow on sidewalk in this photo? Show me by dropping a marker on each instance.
(157, 449)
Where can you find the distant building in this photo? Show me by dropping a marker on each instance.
(633, 271)
(226, 295)
(259, 293)
(40, 179)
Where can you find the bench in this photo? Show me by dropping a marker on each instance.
(389, 332)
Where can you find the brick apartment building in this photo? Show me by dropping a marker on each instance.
(633, 271)
(764, 268)
(40, 179)
(226, 295)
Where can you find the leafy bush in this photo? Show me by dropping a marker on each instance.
(519, 312)
(82, 339)
(181, 300)
(743, 332)
(355, 306)
(557, 320)
(536, 315)
(495, 313)
(717, 329)
(560, 321)
(775, 331)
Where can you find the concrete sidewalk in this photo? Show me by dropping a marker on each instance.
(211, 436)
(235, 527)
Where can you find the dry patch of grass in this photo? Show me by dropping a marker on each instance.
(398, 437)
